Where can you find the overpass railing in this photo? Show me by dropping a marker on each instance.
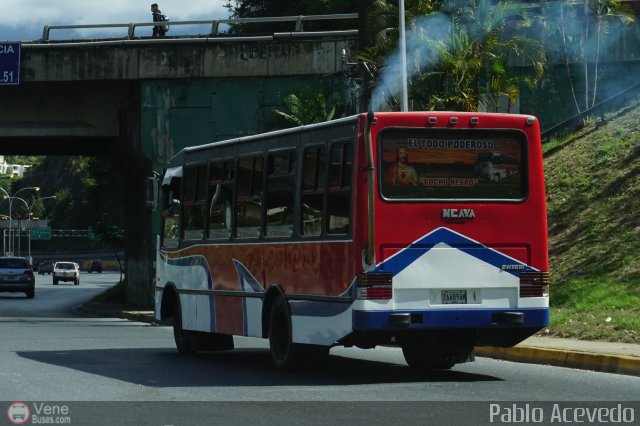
(215, 24)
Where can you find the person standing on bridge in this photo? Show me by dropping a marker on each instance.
(158, 30)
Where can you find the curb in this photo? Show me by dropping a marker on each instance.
(606, 363)
(111, 311)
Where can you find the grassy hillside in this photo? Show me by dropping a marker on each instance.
(593, 194)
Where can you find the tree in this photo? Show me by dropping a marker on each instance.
(276, 8)
(112, 237)
(307, 107)
(458, 51)
(578, 45)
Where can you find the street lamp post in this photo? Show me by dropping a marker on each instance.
(29, 213)
(403, 58)
(19, 222)
(10, 198)
(3, 232)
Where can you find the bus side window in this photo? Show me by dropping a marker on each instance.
(194, 199)
(314, 170)
(249, 197)
(220, 199)
(339, 191)
(171, 214)
(279, 193)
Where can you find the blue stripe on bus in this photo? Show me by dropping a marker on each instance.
(453, 318)
(408, 255)
(248, 283)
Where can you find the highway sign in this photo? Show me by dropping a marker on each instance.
(41, 234)
(9, 63)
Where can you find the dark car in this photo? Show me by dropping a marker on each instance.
(95, 266)
(45, 267)
(16, 276)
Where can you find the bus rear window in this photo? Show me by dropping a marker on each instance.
(452, 164)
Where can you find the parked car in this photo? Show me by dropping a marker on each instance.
(95, 266)
(16, 276)
(66, 271)
(45, 267)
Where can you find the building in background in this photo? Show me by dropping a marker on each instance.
(13, 170)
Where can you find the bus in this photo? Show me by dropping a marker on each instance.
(495, 165)
(368, 230)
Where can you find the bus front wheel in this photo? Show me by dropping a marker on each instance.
(183, 338)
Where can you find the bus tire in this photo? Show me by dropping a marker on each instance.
(184, 338)
(212, 341)
(284, 353)
(422, 358)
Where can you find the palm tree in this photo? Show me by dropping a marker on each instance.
(459, 51)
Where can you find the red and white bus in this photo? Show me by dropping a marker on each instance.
(368, 230)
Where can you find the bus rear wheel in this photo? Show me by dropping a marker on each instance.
(183, 338)
(281, 346)
(423, 358)
(285, 354)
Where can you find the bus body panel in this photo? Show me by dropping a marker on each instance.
(435, 250)
(239, 269)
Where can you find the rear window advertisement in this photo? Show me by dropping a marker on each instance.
(452, 165)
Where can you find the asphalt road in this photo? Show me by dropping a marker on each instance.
(51, 352)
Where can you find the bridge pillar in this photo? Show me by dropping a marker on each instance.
(138, 246)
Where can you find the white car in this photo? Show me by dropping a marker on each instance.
(66, 271)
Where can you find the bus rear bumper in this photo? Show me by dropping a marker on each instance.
(454, 318)
(459, 318)
(473, 327)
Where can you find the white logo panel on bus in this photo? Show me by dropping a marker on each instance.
(443, 264)
(446, 267)
(449, 249)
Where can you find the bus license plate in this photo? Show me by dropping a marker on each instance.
(450, 297)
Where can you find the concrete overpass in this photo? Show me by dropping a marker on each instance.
(137, 101)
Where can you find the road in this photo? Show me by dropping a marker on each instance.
(53, 352)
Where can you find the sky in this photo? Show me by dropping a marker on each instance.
(24, 20)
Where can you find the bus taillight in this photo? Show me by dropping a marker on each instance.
(534, 284)
(375, 286)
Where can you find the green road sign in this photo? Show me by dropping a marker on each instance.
(41, 234)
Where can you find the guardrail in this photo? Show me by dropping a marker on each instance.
(629, 95)
(297, 21)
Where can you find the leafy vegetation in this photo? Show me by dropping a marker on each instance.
(459, 51)
(89, 193)
(593, 193)
(270, 8)
(307, 107)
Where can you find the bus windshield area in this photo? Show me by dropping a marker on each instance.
(452, 164)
